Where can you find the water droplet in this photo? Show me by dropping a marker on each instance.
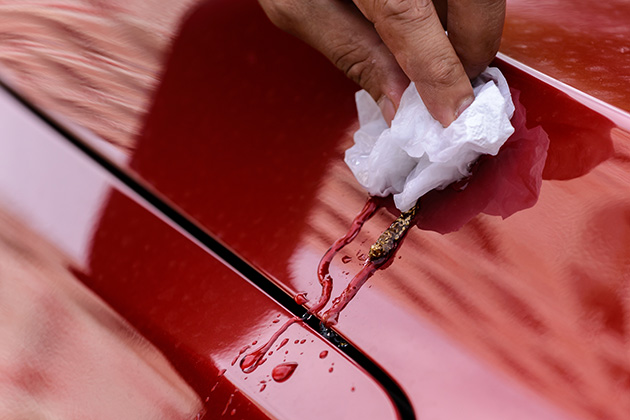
(283, 371)
(352, 389)
(228, 404)
(275, 321)
(233, 412)
(303, 341)
(262, 388)
(323, 354)
(249, 361)
(331, 369)
(283, 343)
(296, 341)
(240, 352)
(346, 259)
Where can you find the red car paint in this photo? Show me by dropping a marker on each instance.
(195, 309)
(581, 43)
(519, 318)
(516, 302)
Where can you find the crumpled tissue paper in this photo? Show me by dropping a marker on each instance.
(417, 154)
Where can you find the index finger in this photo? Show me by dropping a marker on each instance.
(412, 31)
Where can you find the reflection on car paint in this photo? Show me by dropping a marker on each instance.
(439, 305)
(540, 296)
(500, 185)
(178, 295)
(64, 353)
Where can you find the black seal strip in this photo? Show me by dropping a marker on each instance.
(229, 257)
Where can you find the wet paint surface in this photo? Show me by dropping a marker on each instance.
(65, 352)
(199, 313)
(520, 318)
(582, 43)
(255, 358)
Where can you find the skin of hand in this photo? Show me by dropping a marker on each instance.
(383, 44)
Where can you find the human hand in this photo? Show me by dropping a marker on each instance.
(383, 44)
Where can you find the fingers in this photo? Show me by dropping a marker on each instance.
(339, 31)
(412, 31)
(405, 40)
(475, 28)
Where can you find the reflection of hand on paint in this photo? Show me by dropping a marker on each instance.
(500, 185)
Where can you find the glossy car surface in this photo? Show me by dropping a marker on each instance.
(477, 317)
(194, 308)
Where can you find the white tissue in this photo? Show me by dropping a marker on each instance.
(416, 154)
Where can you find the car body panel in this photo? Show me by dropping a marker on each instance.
(582, 43)
(247, 140)
(525, 317)
(198, 312)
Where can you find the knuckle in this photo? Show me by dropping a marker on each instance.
(360, 72)
(444, 72)
(356, 63)
(402, 10)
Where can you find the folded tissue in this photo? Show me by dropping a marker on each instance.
(417, 154)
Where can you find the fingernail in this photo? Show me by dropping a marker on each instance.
(387, 109)
(465, 104)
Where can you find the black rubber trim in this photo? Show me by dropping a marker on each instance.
(230, 258)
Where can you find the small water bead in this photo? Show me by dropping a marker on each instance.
(283, 343)
(283, 371)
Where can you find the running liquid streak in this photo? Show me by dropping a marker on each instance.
(380, 253)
